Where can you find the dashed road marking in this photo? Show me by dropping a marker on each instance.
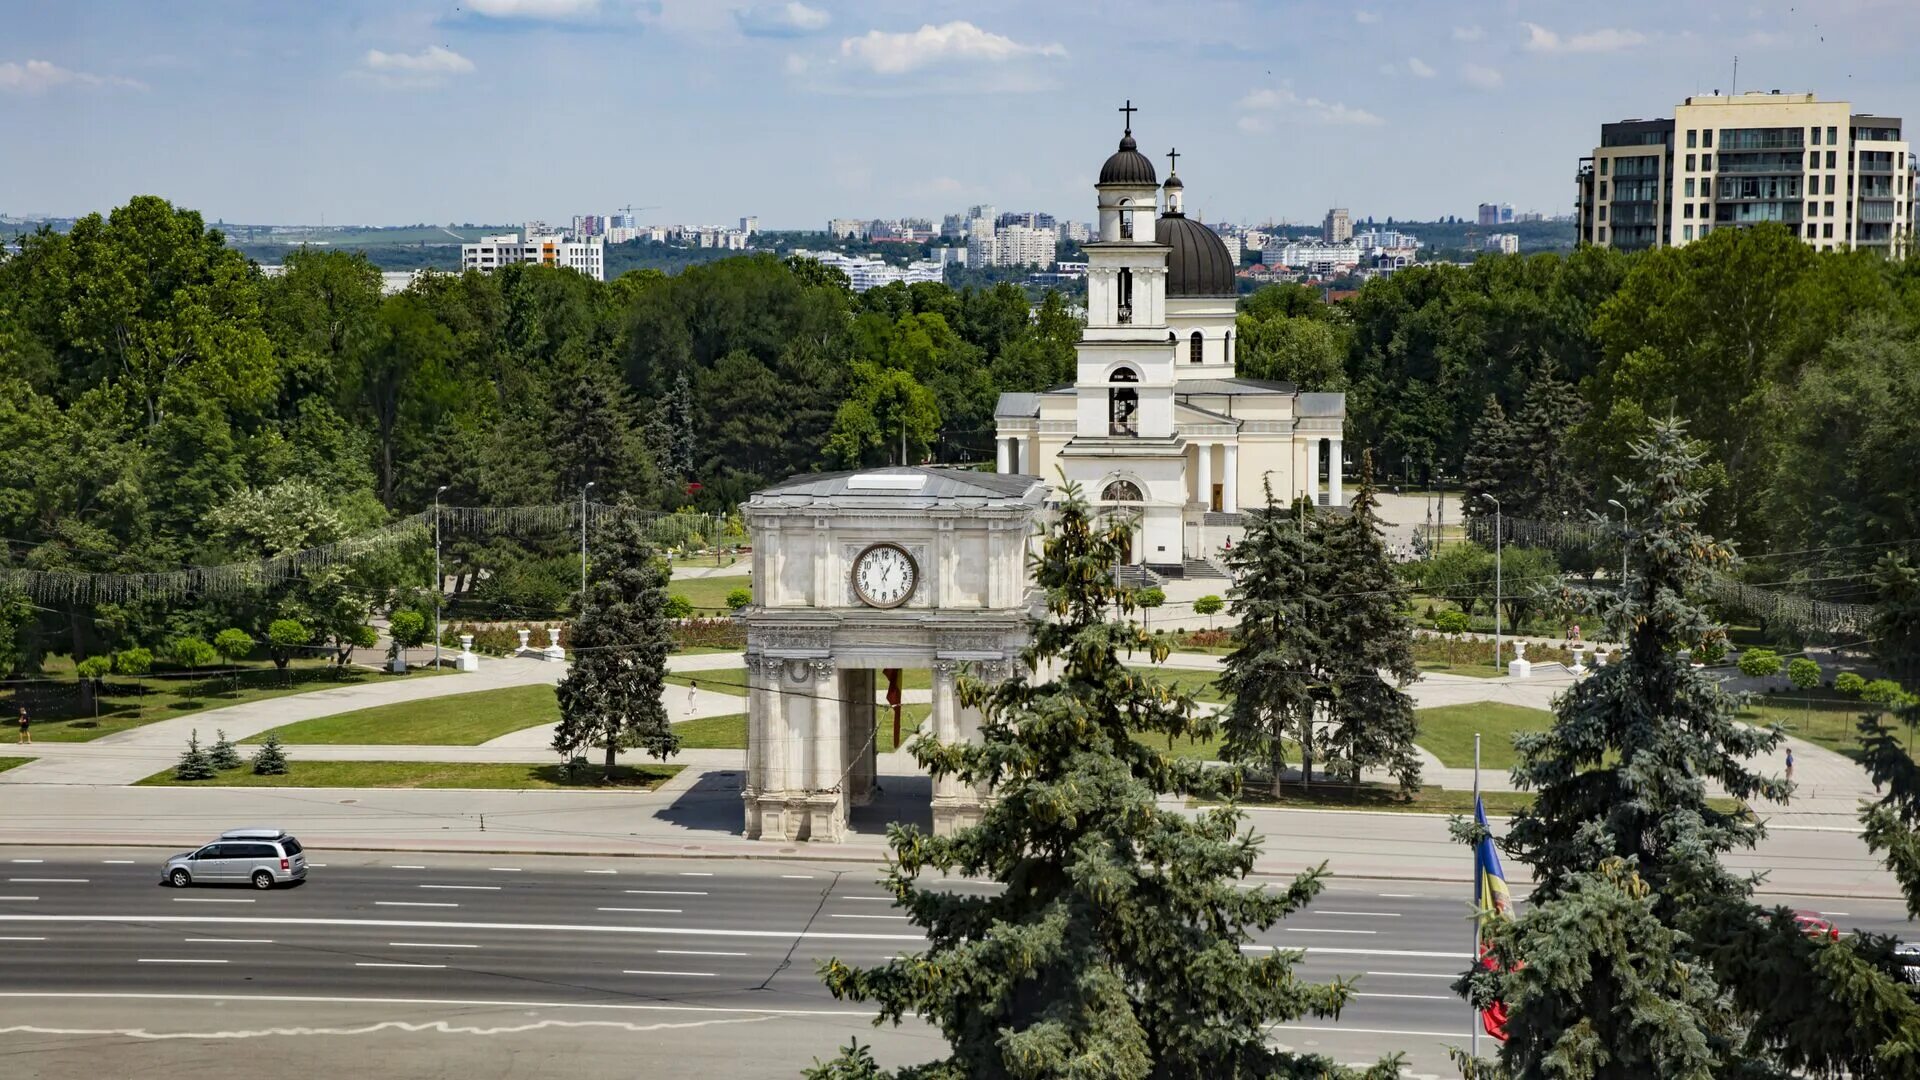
(172, 960)
(697, 952)
(644, 910)
(688, 974)
(412, 903)
(664, 892)
(474, 888)
(426, 945)
(390, 964)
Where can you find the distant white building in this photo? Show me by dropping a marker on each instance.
(847, 229)
(588, 256)
(1233, 245)
(750, 225)
(865, 272)
(1506, 243)
(1316, 257)
(1386, 238)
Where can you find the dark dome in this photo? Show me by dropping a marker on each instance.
(1127, 165)
(1199, 264)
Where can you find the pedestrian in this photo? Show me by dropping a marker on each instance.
(26, 729)
(1789, 764)
(693, 695)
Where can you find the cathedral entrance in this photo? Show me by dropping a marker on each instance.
(854, 574)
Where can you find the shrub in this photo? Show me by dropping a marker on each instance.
(1208, 605)
(407, 629)
(679, 607)
(94, 668)
(1883, 692)
(709, 634)
(133, 662)
(1207, 639)
(284, 636)
(270, 759)
(223, 756)
(194, 764)
(1803, 673)
(1849, 683)
(1759, 663)
(190, 653)
(739, 598)
(233, 644)
(1452, 622)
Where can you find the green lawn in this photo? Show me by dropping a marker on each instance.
(13, 762)
(455, 720)
(720, 680)
(428, 774)
(131, 703)
(714, 559)
(1447, 732)
(1819, 716)
(1479, 671)
(708, 595)
(1428, 800)
(730, 732)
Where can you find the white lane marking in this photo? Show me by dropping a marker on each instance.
(27, 860)
(1360, 914)
(19, 898)
(644, 910)
(1410, 997)
(390, 964)
(426, 945)
(43, 939)
(66, 881)
(697, 952)
(166, 960)
(603, 871)
(560, 928)
(228, 940)
(319, 864)
(212, 900)
(412, 903)
(314, 999)
(689, 974)
(1398, 896)
(1315, 930)
(440, 1027)
(1834, 914)
(877, 899)
(1413, 974)
(408, 867)
(505, 869)
(796, 877)
(1336, 950)
(900, 917)
(664, 892)
(475, 888)
(117, 862)
(696, 873)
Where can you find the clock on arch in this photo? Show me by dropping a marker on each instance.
(884, 575)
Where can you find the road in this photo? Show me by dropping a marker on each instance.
(502, 966)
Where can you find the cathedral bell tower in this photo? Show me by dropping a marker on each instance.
(1125, 376)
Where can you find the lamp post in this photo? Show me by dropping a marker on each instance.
(583, 545)
(1496, 577)
(1623, 545)
(439, 582)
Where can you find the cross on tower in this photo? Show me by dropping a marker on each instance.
(1173, 160)
(1129, 110)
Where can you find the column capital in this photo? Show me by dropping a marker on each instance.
(822, 669)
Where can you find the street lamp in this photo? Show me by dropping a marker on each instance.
(439, 582)
(583, 545)
(1623, 546)
(1496, 577)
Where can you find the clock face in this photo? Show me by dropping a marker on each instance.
(884, 576)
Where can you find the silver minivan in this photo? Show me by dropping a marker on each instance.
(262, 858)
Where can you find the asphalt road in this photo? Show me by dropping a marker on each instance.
(485, 966)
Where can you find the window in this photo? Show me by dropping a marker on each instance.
(1126, 219)
(1833, 159)
(1121, 491)
(1196, 349)
(1833, 139)
(1125, 312)
(1706, 138)
(1603, 234)
(1689, 162)
(1813, 210)
(1686, 232)
(1816, 136)
(1829, 210)
(1706, 162)
(1829, 183)
(1125, 374)
(1687, 210)
(1227, 342)
(1692, 138)
(1689, 187)
(1603, 165)
(1603, 213)
(1603, 190)
(1123, 404)
(1826, 230)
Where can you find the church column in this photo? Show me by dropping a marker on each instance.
(827, 808)
(767, 785)
(947, 794)
(1203, 477)
(1313, 469)
(1002, 463)
(1031, 444)
(1230, 483)
(1334, 470)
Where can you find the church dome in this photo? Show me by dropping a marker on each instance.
(1128, 165)
(1199, 264)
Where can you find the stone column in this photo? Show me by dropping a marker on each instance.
(1203, 477)
(1230, 483)
(1004, 456)
(1031, 446)
(826, 789)
(949, 799)
(857, 703)
(1333, 472)
(1312, 486)
(769, 737)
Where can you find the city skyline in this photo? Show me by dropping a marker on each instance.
(510, 109)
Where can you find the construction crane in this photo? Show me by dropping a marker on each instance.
(628, 210)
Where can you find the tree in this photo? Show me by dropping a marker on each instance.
(1115, 950)
(739, 598)
(1147, 599)
(1452, 623)
(1462, 573)
(283, 637)
(1803, 672)
(1270, 677)
(93, 673)
(223, 756)
(194, 764)
(1493, 465)
(612, 696)
(233, 644)
(1896, 617)
(886, 411)
(677, 608)
(1622, 841)
(1527, 576)
(1759, 663)
(406, 629)
(1208, 606)
(192, 653)
(1849, 684)
(133, 662)
(271, 758)
(1549, 479)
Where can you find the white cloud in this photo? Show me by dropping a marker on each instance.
(1542, 40)
(897, 54)
(39, 76)
(1366, 18)
(790, 19)
(432, 60)
(1485, 78)
(1265, 106)
(534, 9)
(1468, 33)
(1419, 67)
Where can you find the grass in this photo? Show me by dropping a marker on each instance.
(713, 560)
(429, 774)
(1447, 732)
(708, 595)
(128, 704)
(1428, 800)
(720, 680)
(456, 720)
(730, 732)
(1820, 716)
(13, 762)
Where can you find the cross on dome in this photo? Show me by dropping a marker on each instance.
(1129, 110)
(1173, 161)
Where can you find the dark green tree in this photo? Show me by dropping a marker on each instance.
(1493, 466)
(194, 763)
(1271, 677)
(1549, 480)
(1115, 949)
(271, 758)
(223, 756)
(612, 695)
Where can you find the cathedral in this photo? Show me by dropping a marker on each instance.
(1156, 423)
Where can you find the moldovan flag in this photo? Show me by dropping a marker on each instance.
(1490, 896)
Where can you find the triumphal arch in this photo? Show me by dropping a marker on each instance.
(856, 573)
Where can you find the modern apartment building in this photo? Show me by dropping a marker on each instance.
(1495, 213)
(546, 248)
(1338, 228)
(1837, 178)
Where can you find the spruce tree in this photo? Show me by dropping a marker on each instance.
(1366, 645)
(1115, 949)
(1491, 466)
(223, 756)
(612, 695)
(1550, 481)
(270, 759)
(193, 763)
(1270, 676)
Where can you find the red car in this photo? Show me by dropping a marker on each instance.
(1815, 926)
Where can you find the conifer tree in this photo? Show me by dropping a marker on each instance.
(1550, 481)
(270, 759)
(1115, 949)
(1366, 645)
(612, 695)
(193, 762)
(1491, 466)
(223, 756)
(1270, 676)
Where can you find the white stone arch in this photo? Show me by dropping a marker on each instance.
(1118, 366)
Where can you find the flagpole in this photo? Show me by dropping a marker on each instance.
(1476, 888)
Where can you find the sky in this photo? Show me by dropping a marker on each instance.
(703, 111)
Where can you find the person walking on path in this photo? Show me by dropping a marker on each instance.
(1789, 764)
(26, 728)
(693, 697)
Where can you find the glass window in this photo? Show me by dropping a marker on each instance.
(1816, 136)
(1196, 348)
(1691, 137)
(1603, 213)
(1603, 189)
(293, 846)
(1687, 210)
(1706, 162)
(1689, 187)
(1686, 232)
(1603, 165)
(1833, 139)
(1829, 183)
(1827, 230)
(1706, 138)
(1603, 234)
(1813, 210)
(1833, 158)
(1829, 210)
(1689, 162)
